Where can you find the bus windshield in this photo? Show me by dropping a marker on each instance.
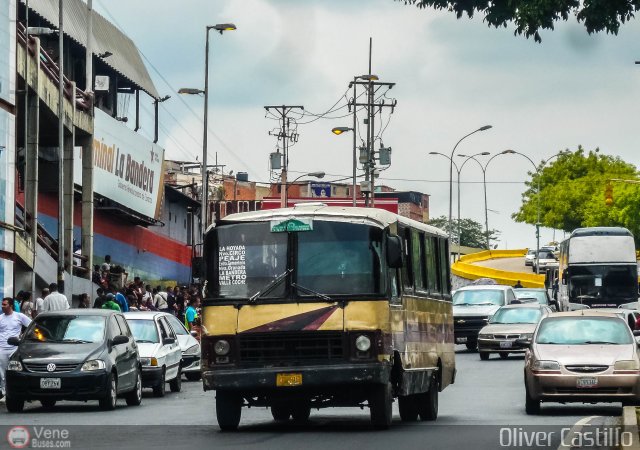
(606, 282)
(332, 258)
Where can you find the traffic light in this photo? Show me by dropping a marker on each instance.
(608, 194)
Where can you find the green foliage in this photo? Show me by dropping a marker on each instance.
(472, 232)
(572, 191)
(529, 16)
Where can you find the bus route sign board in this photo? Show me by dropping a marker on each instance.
(294, 225)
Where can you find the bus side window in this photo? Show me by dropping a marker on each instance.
(417, 253)
(433, 269)
(407, 269)
(445, 270)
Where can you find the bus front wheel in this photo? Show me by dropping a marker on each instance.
(380, 404)
(228, 410)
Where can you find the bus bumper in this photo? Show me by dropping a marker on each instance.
(312, 377)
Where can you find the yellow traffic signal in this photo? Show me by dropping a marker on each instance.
(608, 194)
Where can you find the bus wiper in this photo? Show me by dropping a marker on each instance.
(312, 292)
(271, 286)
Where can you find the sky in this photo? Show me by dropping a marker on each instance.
(452, 77)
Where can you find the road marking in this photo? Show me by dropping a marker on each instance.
(576, 429)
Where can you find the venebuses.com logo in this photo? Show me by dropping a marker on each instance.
(38, 437)
(18, 437)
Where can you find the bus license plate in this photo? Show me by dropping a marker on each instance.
(587, 382)
(288, 379)
(49, 383)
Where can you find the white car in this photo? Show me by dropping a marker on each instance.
(545, 259)
(529, 257)
(160, 353)
(190, 349)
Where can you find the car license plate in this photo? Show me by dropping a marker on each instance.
(288, 379)
(50, 383)
(461, 340)
(506, 344)
(587, 382)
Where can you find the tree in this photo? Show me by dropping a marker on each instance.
(472, 232)
(572, 193)
(529, 16)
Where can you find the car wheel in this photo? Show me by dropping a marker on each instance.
(380, 405)
(280, 413)
(429, 404)
(484, 356)
(14, 404)
(408, 407)
(134, 398)
(48, 403)
(472, 345)
(532, 407)
(176, 384)
(108, 402)
(504, 355)
(160, 389)
(192, 376)
(228, 410)
(301, 412)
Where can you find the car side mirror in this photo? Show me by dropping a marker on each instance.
(194, 333)
(13, 340)
(635, 333)
(120, 339)
(168, 341)
(394, 251)
(523, 343)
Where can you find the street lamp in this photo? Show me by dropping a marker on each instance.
(338, 131)
(221, 27)
(537, 169)
(458, 171)
(483, 128)
(484, 183)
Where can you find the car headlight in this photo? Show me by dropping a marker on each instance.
(93, 364)
(221, 347)
(363, 343)
(545, 365)
(15, 366)
(149, 361)
(485, 336)
(193, 350)
(626, 365)
(528, 336)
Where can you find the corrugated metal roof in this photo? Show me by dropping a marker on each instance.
(126, 59)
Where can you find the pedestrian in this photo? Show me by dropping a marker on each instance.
(17, 300)
(55, 301)
(160, 301)
(110, 303)
(99, 299)
(84, 301)
(121, 300)
(106, 266)
(191, 313)
(11, 324)
(27, 307)
(518, 285)
(40, 301)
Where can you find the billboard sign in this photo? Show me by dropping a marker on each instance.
(127, 166)
(321, 189)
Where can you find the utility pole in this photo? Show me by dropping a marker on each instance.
(286, 136)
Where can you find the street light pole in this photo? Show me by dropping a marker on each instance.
(61, 257)
(459, 173)
(486, 127)
(338, 131)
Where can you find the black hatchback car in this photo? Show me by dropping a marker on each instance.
(76, 354)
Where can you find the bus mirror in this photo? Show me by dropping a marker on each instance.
(565, 274)
(394, 251)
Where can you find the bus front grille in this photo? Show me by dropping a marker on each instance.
(291, 347)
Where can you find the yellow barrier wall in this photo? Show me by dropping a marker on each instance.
(466, 269)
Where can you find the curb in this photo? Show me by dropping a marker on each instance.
(630, 422)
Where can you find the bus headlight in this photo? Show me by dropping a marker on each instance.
(363, 343)
(221, 347)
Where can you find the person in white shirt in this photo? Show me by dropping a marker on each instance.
(55, 301)
(11, 324)
(40, 301)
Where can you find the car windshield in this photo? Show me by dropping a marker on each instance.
(517, 315)
(479, 297)
(73, 329)
(583, 330)
(540, 296)
(144, 331)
